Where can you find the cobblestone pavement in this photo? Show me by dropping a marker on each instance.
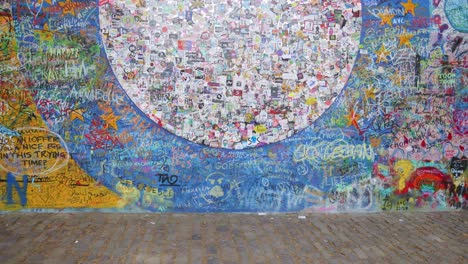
(440, 237)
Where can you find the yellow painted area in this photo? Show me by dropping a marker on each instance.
(158, 198)
(68, 187)
(29, 148)
(403, 168)
(152, 197)
(128, 192)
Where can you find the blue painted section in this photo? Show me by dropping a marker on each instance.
(172, 174)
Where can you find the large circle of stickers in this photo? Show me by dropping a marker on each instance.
(232, 74)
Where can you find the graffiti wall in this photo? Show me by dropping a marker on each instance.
(233, 106)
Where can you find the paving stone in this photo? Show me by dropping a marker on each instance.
(196, 237)
(360, 253)
(244, 256)
(230, 256)
(436, 237)
(213, 260)
(287, 259)
(211, 249)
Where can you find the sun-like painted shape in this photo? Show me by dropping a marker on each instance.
(232, 74)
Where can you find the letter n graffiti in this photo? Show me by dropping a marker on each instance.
(11, 182)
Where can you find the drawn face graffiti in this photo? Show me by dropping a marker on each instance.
(232, 74)
(220, 188)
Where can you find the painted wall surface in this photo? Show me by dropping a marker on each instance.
(233, 106)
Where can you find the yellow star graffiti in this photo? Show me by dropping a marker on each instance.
(111, 120)
(353, 119)
(78, 113)
(67, 7)
(42, 1)
(409, 7)
(370, 93)
(405, 39)
(386, 19)
(382, 54)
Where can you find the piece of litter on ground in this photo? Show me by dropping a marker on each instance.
(261, 213)
(76, 241)
(401, 220)
(153, 223)
(302, 217)
(272, 218)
